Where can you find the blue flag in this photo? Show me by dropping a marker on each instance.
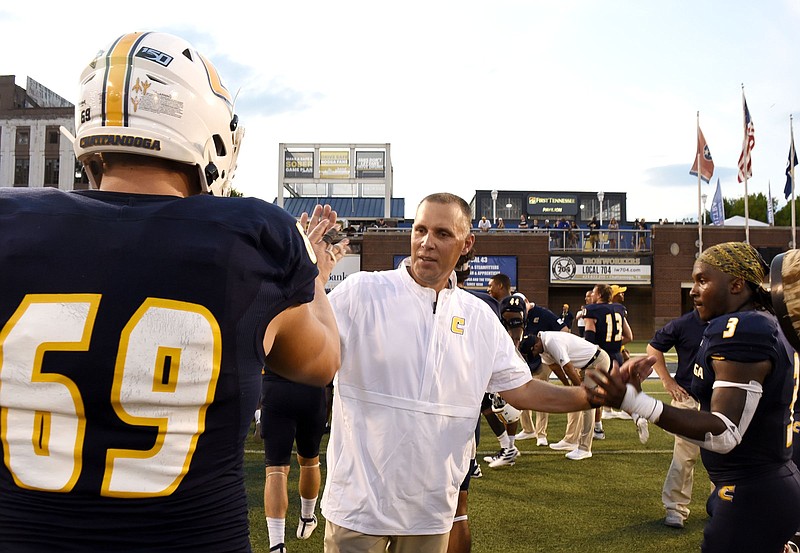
(791, 162)
(718, 208)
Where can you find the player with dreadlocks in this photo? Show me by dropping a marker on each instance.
(746, 384)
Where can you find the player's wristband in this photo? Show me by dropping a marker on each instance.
(639, 403)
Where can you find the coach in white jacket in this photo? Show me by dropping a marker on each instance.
(417, 355)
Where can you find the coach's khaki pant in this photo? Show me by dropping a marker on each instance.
(580, 424)
(342, 540)
(677, 491)
(526, 418)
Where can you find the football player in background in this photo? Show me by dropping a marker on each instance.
(607, 326)
(136, 318)
(746, 382)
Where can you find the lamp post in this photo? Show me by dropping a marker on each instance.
(704, 197)
(600, 196)
(494, 206)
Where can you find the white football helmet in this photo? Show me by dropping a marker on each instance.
(153, 94)
(503, 411)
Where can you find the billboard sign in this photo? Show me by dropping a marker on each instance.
(596, 269)
(298, 165)
(553, 205)
(370, 165)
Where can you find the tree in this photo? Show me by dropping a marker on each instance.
(235, 193)
(756, 205)
(783, 217)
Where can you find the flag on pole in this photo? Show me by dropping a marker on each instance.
(704, 155)
(718, 208)
(770, 208)
(790, 163)
(745, 162)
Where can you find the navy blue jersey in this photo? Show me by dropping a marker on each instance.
(608, 318)
(749, 337)
(540, 319)
(490, 300)
(684, 334)
(131, 346)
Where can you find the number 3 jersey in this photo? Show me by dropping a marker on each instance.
(749, 337)
(131, 351)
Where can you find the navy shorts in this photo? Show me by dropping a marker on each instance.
(760, 514)
(291, 412)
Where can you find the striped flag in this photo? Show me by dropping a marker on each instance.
(790, 163)
(745, 162)
(704, 155)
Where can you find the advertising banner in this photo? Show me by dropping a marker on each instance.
(482, 268)
(595, 269)
(346, 266)
(334, 164)
(552, 205)
(370, 165)
(298, 165)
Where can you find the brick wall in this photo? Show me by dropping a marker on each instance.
(649, 307)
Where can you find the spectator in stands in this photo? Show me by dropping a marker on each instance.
(535, 224)
(594, 233)
(563, 229)
(523, 221)
(573, 235)
(613, 234)
(500, 223)
(484, 224)
(641, 236)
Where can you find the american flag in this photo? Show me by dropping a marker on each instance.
(745, 162)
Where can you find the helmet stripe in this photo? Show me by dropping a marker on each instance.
(117, 79)
(214, 81)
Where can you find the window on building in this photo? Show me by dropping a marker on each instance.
(23, 136)
(52, 136)
(51, 172)
(21, 170)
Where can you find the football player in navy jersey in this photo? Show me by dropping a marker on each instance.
(746, 383)
(607, 323)
(135, 318)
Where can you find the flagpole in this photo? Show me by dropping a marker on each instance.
(791, 173)
(699, 193)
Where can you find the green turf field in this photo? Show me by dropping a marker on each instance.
(546, 503)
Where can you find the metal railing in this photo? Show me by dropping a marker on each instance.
(562, 240)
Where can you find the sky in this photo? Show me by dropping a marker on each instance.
(577, 95)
